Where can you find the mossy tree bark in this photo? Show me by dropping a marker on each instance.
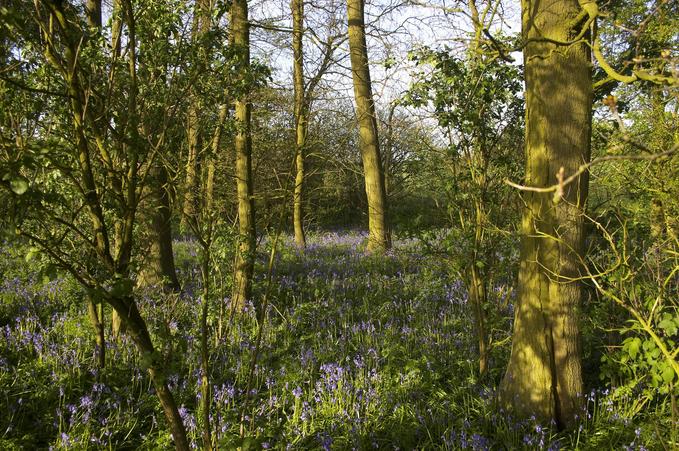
(93, 11)
(378, 239)
(478, 162)
(192, 184)
(95, 311)
(159, 268)
(95, 308)
(301, 120)
(544, 375)
(245, 253)
(477, 289)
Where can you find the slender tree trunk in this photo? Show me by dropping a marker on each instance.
(96, 314)
(544, 375)
(96, 311)
(478, 166)
(117, 326)
(378, 239)
(192, 185)
(136, 328)
(477, 294)
(245, 253)
(205, 391)
(297, 7)
(192, 181)
(477, 291)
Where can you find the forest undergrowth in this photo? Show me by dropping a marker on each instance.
(357, 352)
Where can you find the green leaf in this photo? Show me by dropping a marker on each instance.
(19, 185)
(632, 346)
(668, 374)
(668, 325)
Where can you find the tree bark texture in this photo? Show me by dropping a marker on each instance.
(96, 314)
(158, 268)
(378, 239)
(245, 253)
(301, 119)
(192, 185)
(544, 375)
(477, 290)
(192, 180)
(93, 11)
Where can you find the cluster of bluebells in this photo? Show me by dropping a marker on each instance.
(352, 344)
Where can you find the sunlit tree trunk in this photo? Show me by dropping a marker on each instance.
(95, 312)
(301, 120)
(93, 10)
(478, 167)
(245, 253)
(378, 239)
(95, 309)
(158, 268)
(477, 289)
(192, 180)
(544, 376)
(192, 183)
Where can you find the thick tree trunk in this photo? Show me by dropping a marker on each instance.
(158, 268)
(245, 253)
(544, 376)
(117, 324)
(93, 10)
(378, 239)
(301, 111)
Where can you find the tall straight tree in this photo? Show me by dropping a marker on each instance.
(245, 254)
(95, 307)
(301, 127)
(304, 93)
(191, 200)
(544, 376)
(378, 238)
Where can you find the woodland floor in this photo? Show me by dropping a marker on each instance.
(358, 352)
